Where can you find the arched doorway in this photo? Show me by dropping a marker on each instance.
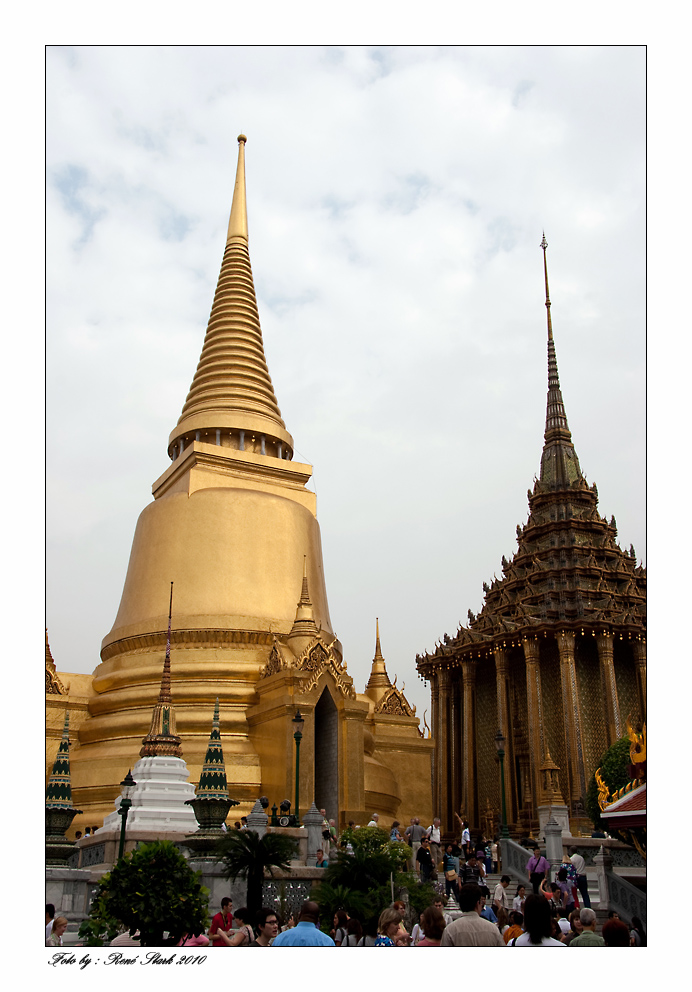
(326, 756)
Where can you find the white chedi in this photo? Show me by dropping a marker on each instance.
(159, 797)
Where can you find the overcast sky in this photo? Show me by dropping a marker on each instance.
(396, 201)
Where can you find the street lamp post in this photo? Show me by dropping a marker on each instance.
(128, 787)
(298, 722)
(500, 746)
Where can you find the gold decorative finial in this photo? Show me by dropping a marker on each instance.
(237, 225)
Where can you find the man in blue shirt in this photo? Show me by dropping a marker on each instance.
(306, 932)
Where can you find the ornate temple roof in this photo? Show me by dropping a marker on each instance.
(568, 570)
(232, 389)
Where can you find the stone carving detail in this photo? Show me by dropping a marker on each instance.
(318, 659)
(54, 685)
(315, 659)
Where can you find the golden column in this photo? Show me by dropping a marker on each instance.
(442, 746)
(534, 707)
(456, 749)
(576, 781)
(468, 781)
(502, 681)
(639, 650)
(604, 642)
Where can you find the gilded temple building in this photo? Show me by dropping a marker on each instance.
(556, 658)
(234, 527)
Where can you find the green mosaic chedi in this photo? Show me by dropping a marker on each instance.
(58, 790)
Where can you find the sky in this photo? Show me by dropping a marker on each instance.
(397, 197)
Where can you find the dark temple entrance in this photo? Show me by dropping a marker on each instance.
(326, 756)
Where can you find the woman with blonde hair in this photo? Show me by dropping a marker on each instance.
(59, 928)
(388, 928)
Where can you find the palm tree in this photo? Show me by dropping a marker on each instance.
(245, 854)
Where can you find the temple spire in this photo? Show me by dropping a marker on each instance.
(162, 738)
(58, 790)
(231, 402)
(378, 673)
(304, 624)
(559, 463)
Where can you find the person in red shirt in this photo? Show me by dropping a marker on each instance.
(222, 921)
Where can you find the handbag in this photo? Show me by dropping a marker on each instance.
(450, 875)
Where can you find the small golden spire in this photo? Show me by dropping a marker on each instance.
(378, 673)
(237, 225)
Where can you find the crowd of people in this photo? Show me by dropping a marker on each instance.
(553, 914)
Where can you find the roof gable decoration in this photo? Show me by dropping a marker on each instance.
(394, 703)
(316, 658)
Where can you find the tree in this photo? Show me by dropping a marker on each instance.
(614, 766)
(361, 883)
(245, 854)
(152, 890)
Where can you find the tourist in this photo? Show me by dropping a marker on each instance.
(403, 938)
(515, 928)
(438, 904)
(388, 927)
(59, 928)
(449, 866)
(222, 921)
(340, 925)
(616, 933)
(267, 926)
(354, 933)
(414, 835)
(470, 930)
(433, 834)
(424, 861)
(495, 854)
(519, 899)
(465, 838)
(417, 932)
(243, 823)
(373, 822)
(473, 873)
(50, 917)
(322, 862)
(291, 922)
(394, 834)
(487, 912)
(306, 932)
(575, 927)
(537, 868)
(537, 925)
(369, 938)
(563, 922)
(582, 881)
(502, 920)
(433, 926)
(501, 896)
(78, 835)
(588, 937)
(193, 940)
(637, 934)
(567, 889)
(243, 935)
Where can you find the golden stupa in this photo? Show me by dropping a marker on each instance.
(234, 527)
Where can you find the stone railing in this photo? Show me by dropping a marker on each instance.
(514, 859)
(617, 893)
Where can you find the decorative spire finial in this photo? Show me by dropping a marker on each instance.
(237, 224)
(378, 673)
(544, 245)
(162, 738)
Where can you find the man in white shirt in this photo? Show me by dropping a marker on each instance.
(373, 822)
(582, 881)
(501, 896)
(433, 834)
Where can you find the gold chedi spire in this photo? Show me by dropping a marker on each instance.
(378, 674)
(231, 401)
(162, 738)
(304, 627)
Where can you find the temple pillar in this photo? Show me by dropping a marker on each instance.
(610, 693)
(444, 682)
(468, 782)
(455, 749)
(502, 684)
(639, 650)
(534, 709)
(576, 780)
(435, 730)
